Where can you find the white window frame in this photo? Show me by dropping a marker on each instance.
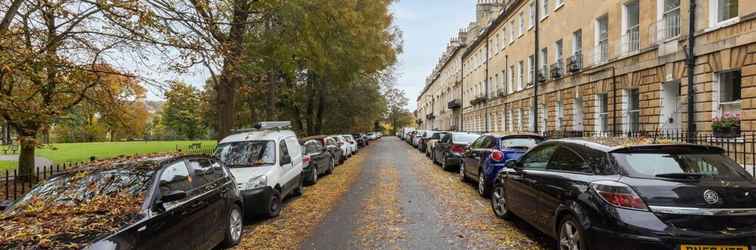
(531, 118)
(544, 9)
(522, 23)
(626, 46)
(597, 58)
(629, 111)
(718, 105)
(714, 15)
(521, 80)
(513, 32)
(558, 4)
(531, 10)
(602, 117)
(531, 69)
(510, 83)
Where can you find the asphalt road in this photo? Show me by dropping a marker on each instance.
(403, 201)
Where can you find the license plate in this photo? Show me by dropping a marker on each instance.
(712, 247)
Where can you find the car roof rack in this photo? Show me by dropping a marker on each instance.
(260, 126)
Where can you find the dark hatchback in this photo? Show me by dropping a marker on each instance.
(487, 155)
(448, 151)
(330, 144)
(604, 194)
(317, 161)
(186, 202)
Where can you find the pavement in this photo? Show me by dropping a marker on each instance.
(403, 201)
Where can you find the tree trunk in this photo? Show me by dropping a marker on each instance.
(225, 105)
(321, 107)
(231, 76)
(26, 159)
(311, 90)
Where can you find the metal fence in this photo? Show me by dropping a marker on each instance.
(14, 185)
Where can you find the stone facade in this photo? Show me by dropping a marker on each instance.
(610, 65)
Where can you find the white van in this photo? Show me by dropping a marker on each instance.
(267, 164)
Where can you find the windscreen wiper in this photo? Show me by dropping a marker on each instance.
(692, 176)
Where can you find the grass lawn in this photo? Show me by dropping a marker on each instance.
(75, 152)
(10, 165)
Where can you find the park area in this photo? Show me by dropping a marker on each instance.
(60, 153)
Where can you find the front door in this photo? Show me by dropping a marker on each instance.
(670, 118)
(577, 114)
(209, 189)
(522, 188)
(173, 223)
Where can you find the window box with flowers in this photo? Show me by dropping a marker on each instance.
(726, 126)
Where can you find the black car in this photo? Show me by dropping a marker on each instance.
(362, 141)
(317, 160)
(615, 194)
(184, 202)
(448, 151)
(330, 144)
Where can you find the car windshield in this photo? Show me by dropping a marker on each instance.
(669, 165)
(465, 138)
(247, 153)
(519, 142)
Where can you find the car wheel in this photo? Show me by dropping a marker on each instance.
(444, 164)
(314, 176)
(499, 203)
(300, 187)
(331, 166)
(274, 208)
(483, 189)
(462, 175)
(571, 235)
(234, 227)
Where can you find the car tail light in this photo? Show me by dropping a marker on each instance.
(457, 149)
(306, 159)
(497, 155)
(619, 195)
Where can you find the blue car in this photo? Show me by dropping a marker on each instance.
(488, 154)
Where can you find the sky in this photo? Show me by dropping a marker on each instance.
(427, 26)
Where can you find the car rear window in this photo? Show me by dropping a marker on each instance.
(464, 138)
(519, 142)
(676, 165)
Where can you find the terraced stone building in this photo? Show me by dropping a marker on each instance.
(602, 66)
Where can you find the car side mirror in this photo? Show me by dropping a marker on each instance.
(286, 159)
(175, 195)
(513, 164)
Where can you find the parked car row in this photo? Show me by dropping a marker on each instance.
(606, 193)
(174, 202)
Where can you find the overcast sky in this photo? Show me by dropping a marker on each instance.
(427, 26)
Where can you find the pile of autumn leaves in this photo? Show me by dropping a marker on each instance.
(46, 225)
(43, 224)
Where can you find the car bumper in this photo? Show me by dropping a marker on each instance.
(256, 201)
(307, 172)
(650, 233)
(453, 160)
